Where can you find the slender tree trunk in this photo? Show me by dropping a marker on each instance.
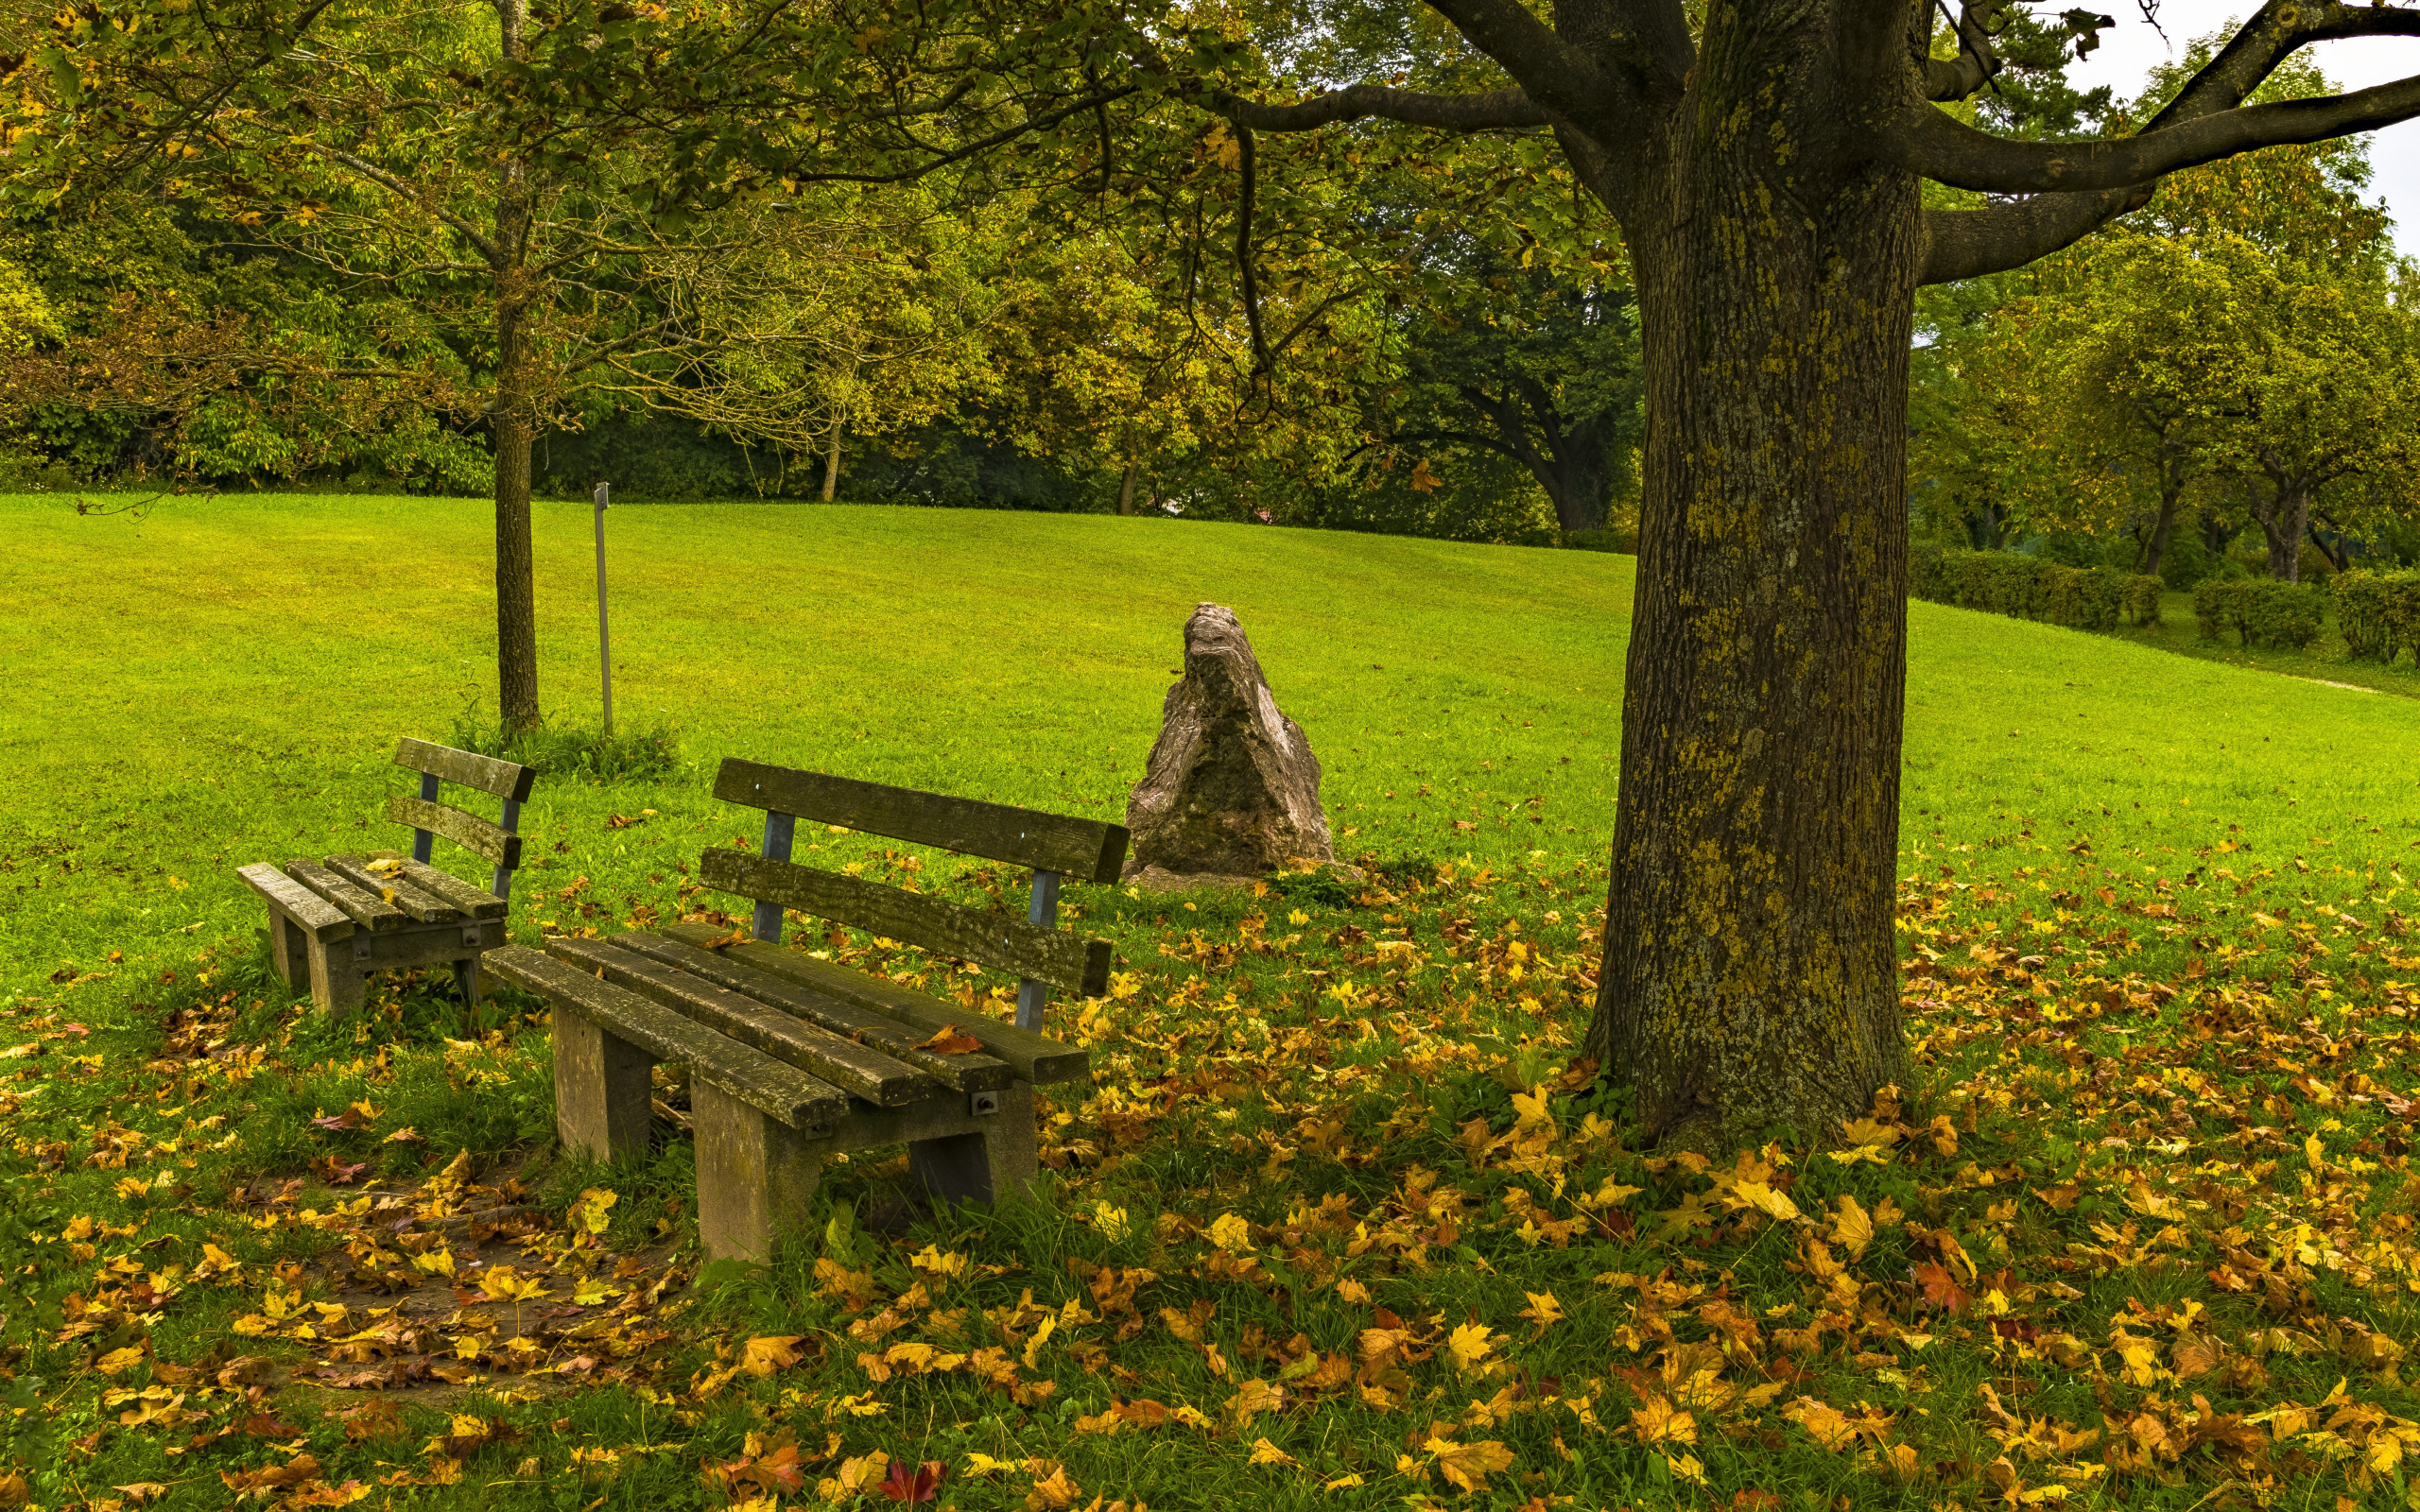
(1126, 487)
(831, 464)
(1750, 977)
(2285, 541)
(513, 428)
(2155, 551)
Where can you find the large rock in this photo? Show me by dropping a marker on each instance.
(1233, 790)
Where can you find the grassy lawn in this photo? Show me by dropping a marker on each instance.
(1333, 1225)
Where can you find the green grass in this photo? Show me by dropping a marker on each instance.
(222, 682)
(2324, 659)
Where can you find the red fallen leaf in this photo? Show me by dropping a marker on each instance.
(265, 1425)
(336, 1173)
(779, 1470)
(350, 1118)
(1387, 1319)
(1940, 1290)
(923, 1485)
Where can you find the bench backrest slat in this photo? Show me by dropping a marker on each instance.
(469, 831)
(1003, 941)
(1085, 850)
(506, 780)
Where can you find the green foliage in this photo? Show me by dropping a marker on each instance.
(2261, 611)
(2026, 587)
(626, 755)
(2378, 612)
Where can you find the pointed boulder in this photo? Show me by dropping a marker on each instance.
(1233, 790)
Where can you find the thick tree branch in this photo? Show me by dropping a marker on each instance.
(1550, 71)
(1496, 110)
(1956, 78)
(1929, 141)
(1246, 273)
(1970, 242)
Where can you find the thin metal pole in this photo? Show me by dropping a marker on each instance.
(604, 636)
(779, 828)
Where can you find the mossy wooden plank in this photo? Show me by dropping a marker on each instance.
(303, 909)
(395, 888)
(365, 909)
(999, 940)
(856, 1069)
(963, 1074)
(468, 831)
(475, 900)
(1086, 849)
(1036, 1058)
(506, 780)
(774, 1088)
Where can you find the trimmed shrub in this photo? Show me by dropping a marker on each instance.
(2005, 582)
(2379, 612)
(2261, 611)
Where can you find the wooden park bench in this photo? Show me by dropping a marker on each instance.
(335, 921)
(792, 1059)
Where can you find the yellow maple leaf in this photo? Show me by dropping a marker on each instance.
(1265, 1453)
(1252, 1398)
(1353, 1292)
(503, 1285)
(1772, 1204)
(1543, 1310)
(856, 1474)
(1232, 1234)
(1852, 1226)
(934, 1260)
(763, 1356)
(596, 1206)
(1656, 1422)
(1033, 1346)
(1469, 1346)
(1824, 1423)
(986, 1464)
(1342, 1483)
(1686, 1468)
(1051, 1491)
(1468, 1465)
(117, 1360)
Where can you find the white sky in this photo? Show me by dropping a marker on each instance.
(2129, 50)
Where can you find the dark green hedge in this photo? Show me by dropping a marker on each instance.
(2034, 588)
(2379, 612)
(2263, 611)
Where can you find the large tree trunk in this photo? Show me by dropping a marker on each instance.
(1750, 977)
(1126, 488)
(513, 428)
(2284, 519)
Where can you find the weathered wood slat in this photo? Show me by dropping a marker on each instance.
(1036, 1058)
(963, 1074)
(305, 909)
(1086, 849)
(507, 779)
(466, 829)
(395, 888)
(1000, 941)
(367, 909)
(476, 901)
(854, 1068)
(779, 1090)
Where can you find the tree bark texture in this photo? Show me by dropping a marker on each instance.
(2284, 518)
(1750, 978)
(1126, 488)
(832, 465)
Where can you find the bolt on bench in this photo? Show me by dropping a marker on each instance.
(792, 1059)
(332, 922)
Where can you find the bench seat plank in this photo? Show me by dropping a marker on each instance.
(1036, 1058)
(999, 940)
(779, 1090)
(854, 1068)
(1086, 849)
(506, 780)
(963, 1073)
(322, 920)
(367, 909)
(474, 902)
(394, 888)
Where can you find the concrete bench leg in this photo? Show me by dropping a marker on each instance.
(289, 950)
(335, 980)
(602, 1092)
(466, 981)
(756, 1178)
(985, 1167)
